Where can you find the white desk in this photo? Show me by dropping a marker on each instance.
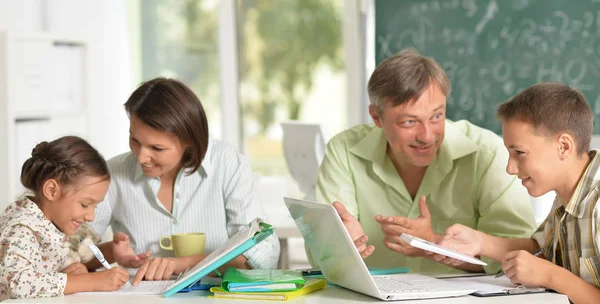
(328, 295)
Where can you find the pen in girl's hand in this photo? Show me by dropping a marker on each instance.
(537, 253)
(98, 254)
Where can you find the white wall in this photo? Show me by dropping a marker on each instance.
(23, 15)
(103, 25)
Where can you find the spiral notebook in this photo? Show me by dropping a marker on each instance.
(489, 285)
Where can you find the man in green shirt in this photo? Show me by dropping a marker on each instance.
(414, 171)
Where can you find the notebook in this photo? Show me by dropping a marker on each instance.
(489, 285)
(246, 238)
(310, 286)
(261, 280)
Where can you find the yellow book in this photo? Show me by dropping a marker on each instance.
(310, 286)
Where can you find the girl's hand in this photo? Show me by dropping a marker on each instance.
(75, 268)
(111, 280)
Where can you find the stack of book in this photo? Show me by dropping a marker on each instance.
(265, 284)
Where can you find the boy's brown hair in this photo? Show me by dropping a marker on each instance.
(553, 108)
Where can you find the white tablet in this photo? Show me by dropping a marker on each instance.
(429, 246)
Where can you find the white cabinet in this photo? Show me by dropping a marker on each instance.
(43, 81)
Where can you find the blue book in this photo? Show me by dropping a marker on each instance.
(239, 243)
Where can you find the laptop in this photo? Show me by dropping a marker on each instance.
(332, 249)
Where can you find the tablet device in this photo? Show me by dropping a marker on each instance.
(429, 246)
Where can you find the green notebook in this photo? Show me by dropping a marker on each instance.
(261, 280)
(310, 286)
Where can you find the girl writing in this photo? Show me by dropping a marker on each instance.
(67, 178)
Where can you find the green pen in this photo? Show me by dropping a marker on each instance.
(382, 271)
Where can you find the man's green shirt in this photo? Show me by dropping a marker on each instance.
(466, 183)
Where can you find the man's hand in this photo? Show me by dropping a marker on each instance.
(394, 226)
(124, 254)
(355, 230)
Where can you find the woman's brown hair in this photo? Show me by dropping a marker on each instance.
(170, 106)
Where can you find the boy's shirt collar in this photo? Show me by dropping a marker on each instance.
(588, 181)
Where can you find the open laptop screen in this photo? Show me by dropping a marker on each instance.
(330, 245)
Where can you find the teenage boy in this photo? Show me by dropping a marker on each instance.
(547, 130)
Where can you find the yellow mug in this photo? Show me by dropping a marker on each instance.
(185, 244)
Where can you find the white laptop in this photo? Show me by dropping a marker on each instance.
(332, 248)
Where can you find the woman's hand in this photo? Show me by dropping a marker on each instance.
(124, 254)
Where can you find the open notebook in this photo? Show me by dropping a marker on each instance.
(158, 287)
(246, 238)
(489, 285)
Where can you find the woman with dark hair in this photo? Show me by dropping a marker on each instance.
(176, 180)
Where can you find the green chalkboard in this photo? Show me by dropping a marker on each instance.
(493, 49)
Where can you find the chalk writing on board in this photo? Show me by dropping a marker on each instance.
(493, 49)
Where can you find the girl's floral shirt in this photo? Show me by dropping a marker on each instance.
(32, 252)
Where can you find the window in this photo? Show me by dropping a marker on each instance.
(179, 40)
(291, 68)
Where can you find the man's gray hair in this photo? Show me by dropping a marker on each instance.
(404, 77)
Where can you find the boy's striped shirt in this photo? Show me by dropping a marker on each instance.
(570, 233)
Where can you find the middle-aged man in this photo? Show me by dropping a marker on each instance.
(414, 171)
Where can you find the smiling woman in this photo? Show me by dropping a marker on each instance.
(176, 180)
(157, 152)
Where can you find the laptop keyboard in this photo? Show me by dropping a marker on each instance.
(392, 285)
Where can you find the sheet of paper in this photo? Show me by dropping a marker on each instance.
(154, 287)
(486, 284)
(144, 288)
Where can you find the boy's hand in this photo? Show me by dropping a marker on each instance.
(521, 267)
(112, 279)
(75, 268)
(156, 269)
(394, 226)
(357, 234)
(462, 239)
(124, 254)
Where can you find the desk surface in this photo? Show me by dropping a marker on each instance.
(328, 295)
